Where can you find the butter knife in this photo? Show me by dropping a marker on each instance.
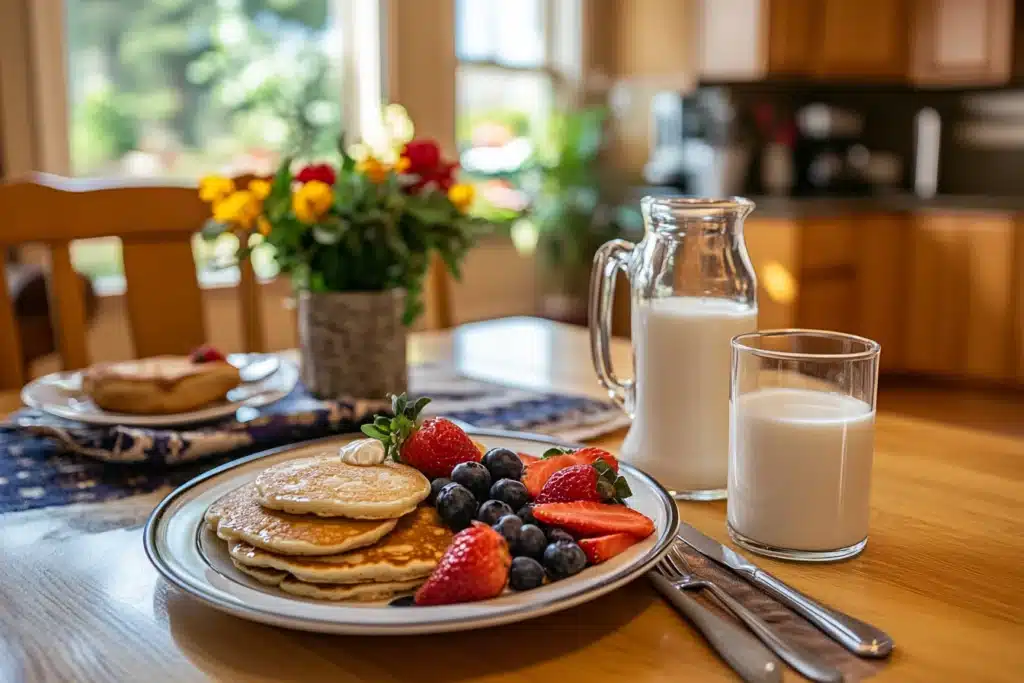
(747, 657)
(860, 638)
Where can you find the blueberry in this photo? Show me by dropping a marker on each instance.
(492, 511)
(456, 506)
(531, 542)
(564, 559)
(510, 491)
(559, 536)
(474, 477)
(525, 513)
(525, 573)
(435, 488)
(503, 464)
(509, 526)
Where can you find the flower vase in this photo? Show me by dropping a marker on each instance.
(352, 344)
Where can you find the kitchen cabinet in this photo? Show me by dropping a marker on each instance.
(773, 247)
(862, 39)
(962, 42)
(881, 253)
(790, 37)
(731, 39)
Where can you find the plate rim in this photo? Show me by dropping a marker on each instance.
(454, 623)
(108, 419)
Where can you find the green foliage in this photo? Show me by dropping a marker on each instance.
(102, 128)
(572, 204)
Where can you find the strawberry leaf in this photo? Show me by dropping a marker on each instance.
(555, 452)
(372, 432)
(610, 484)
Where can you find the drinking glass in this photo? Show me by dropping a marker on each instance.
(801, 439)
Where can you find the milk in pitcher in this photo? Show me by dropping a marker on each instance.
(682, 359)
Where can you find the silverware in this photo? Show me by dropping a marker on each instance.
(807, 663)
(862, 639)
(747, 657)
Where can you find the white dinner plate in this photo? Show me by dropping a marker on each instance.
(60, 394)
(191, 557)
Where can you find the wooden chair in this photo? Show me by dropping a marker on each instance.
(156, 223)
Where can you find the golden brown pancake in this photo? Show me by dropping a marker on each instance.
(410, 551)
(238, 516)
(158, 386)
(364, 592)
(327, 486)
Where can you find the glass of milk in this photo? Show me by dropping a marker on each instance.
(692, 290)
(802, 428)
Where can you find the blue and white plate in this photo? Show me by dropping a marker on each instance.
(187, 554)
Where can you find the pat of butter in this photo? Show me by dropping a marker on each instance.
(363, 452)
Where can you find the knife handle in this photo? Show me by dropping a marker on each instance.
(863, 640)
(747, 657)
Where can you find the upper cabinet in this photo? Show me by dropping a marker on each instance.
(962, 42)
(925, 42)
(861, 39)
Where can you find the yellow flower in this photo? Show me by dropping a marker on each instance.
(214, 188)
(311, 201)
(263, 225)
(374, 169)
(402, 165)
(260, 188)
(461, 196)
(239, 209)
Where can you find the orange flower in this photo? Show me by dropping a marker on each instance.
(403, 164)
(374, 169)
(461, 196)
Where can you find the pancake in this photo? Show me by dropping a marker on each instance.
(159, 385)
(411, 551)
(238, 516)
(325, 485)
(270, 577)
(364, 592)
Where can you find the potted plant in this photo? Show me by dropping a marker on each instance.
(357, 238)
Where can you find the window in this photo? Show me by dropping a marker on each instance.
(184, 88)
(505, 91)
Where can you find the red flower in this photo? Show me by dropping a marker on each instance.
(427, 166)
(323, 172)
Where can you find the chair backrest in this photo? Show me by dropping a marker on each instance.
(156, 223)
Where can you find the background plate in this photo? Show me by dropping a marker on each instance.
(173, 536)
(61, 394)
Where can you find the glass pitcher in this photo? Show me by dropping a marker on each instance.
(692, 290)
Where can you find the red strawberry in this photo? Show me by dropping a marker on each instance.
(205, 354)
(604, 548)
(586, 518)
(475, 567)
(526, 458)
(434, 446)
(537, 473)
(596, 482)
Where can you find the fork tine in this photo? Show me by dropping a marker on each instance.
(671, 558)
(667, 570)
(678, 554)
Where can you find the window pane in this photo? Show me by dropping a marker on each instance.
(179, 88)
(507, 32)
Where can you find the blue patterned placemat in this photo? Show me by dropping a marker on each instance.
(47, 461)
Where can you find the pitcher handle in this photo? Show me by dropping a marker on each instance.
(612, 257)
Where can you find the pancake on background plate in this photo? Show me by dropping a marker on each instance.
(329, 487)
(158, 386)
(238, 516)
(409, 552)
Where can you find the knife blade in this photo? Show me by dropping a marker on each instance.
(860, 638)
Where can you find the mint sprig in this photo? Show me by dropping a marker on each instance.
(392, 431)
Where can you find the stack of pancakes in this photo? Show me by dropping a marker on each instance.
(322, 528)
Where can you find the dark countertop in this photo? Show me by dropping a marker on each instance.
(827, 207)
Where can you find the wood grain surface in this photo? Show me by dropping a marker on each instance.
(943, 572)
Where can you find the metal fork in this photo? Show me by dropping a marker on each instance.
(747, 657)
(807, 663)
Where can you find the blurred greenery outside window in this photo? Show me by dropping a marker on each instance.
(505, 93)
(183, 88)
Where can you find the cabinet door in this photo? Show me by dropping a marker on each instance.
(790, 32)
(881, 283)
(862, 39)
(990, 300)
(732, 39)
(962, 41)
(773, 246)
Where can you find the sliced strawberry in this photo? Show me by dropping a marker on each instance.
(604, 548)
(538, 472)
(206, 354)
(586, 518)
(527, 458)
(597, 482)
(474, 567)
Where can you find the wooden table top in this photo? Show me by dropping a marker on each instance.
(943, 572)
